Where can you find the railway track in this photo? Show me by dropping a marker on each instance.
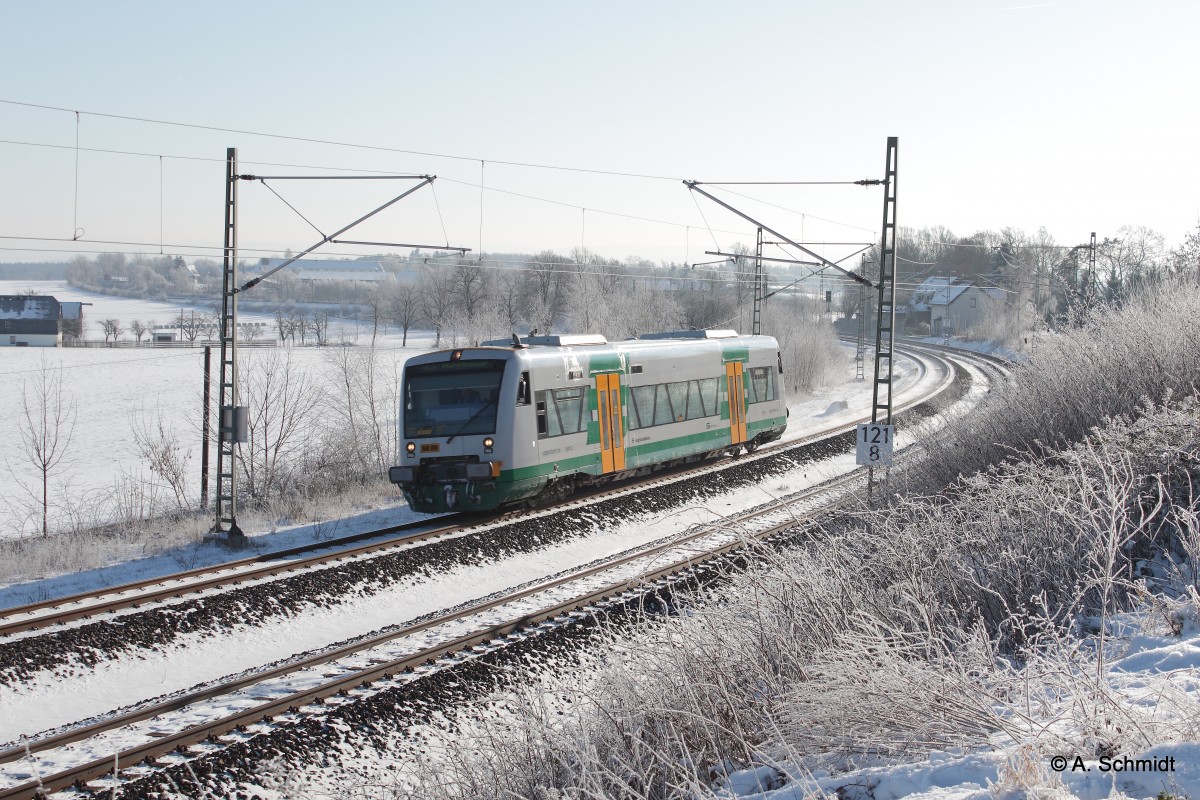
(137, 595)
(370, 660)
(228, 707)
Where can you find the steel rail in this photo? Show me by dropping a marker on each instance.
(229, 572)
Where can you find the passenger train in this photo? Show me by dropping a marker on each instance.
(530, 419)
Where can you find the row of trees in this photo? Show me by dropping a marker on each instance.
(467, 300)
(1047, 272)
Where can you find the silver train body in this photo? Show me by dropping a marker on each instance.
(531, 419)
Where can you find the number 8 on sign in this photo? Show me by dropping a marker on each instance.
(875, 445)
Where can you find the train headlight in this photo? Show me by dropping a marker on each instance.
(488, 443)
(411, 449)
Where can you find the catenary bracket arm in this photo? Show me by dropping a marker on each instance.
(327, 239)
(695, 187)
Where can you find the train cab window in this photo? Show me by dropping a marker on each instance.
(524, 393)
(541, 418)
(451, 398)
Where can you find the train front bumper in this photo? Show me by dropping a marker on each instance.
(443, 486)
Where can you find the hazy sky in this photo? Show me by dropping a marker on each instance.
(1077, 116)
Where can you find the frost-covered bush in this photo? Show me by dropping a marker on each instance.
(810, 353)
(1119, 360)
(925, 625)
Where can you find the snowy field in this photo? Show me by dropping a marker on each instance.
(111, 388)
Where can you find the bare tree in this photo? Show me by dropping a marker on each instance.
(159, 445)
(362, 395)
(548, 282)
(377, 302)
(404, 304)
(1134, 259)
(298, 323)
(510, 298)
(112, 328)
(281, 324)
(1185, 259)
(437, 299)
(191, 325)
(48, 423)
(470, 285)
(318, 324)
(283, 402)
(138, 330)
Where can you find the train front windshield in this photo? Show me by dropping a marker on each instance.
(451, 398)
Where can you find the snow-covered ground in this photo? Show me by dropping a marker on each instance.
(110, 389)
(41, 702)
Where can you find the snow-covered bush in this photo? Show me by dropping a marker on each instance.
(809, 351)
(1120, 359)
(922, 626)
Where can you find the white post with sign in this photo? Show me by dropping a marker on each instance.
(875, 445)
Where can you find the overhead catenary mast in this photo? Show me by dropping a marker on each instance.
(232, 417)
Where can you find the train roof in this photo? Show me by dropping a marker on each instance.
(600, 355)
(585, 339)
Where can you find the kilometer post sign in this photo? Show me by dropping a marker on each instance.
(875, 445)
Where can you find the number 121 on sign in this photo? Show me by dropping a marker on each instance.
(875, 445)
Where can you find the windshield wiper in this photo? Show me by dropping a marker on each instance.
(474, 416)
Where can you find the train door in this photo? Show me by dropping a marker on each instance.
(612, 431)
(737, 402)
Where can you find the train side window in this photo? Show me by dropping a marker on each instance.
(643, 407)
(663, 414)
(708, 393)
(695, 408)
(553, 423)
(678, 393)
(523, 392)
(569, 403)
(541, 417)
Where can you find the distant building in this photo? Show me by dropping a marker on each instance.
(30, 321)
(947, 305)
(314, 270)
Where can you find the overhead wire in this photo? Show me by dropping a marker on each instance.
(379, 148)
(335, 143)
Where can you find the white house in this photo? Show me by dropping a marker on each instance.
(951, 304)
